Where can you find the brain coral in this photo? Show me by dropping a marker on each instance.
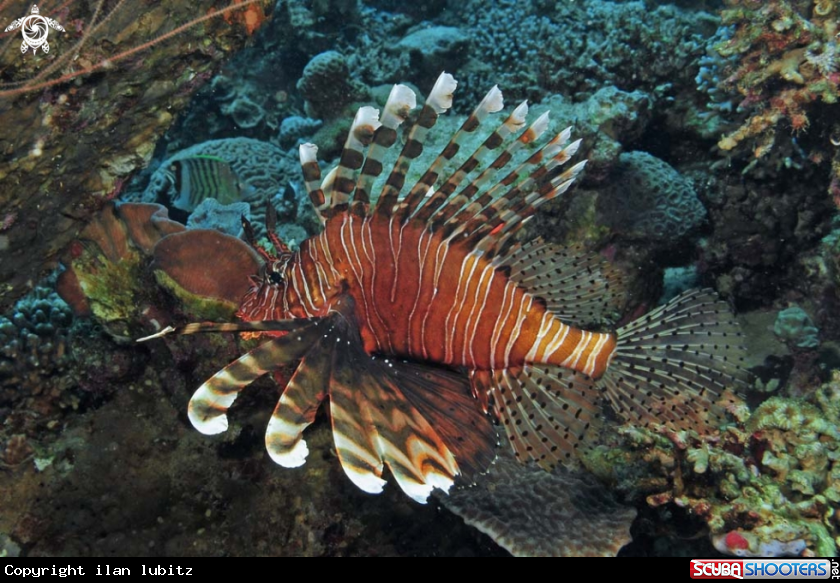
(649, 199)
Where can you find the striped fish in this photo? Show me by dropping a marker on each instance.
(199, 177)
(419, 313)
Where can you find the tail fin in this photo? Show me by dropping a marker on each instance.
(677, 364)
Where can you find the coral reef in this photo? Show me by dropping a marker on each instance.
(295, 128)
(795, 328)
(245, 113)
(225, 218)
(262, 168)
(576, 48)
(760, 231)
(768, 485)
(327, 86)
(69, 147)
(110, 271)
(787, 62)
(435, 48)
(265, 172)
(104, 267)
(206, 270)
(33, 346)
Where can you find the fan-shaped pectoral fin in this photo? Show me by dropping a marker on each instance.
(383, 414)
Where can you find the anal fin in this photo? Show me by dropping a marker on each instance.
(548, 413)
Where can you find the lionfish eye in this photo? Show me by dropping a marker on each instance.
(275, 277)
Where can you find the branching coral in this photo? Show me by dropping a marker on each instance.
(787, 62)
(33, 344)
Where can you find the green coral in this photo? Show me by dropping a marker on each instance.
(202, 307)
(773, 477)
(787, 59)
(110, 286)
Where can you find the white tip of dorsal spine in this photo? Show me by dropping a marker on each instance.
(366, 117)
(577, 168)
(520, 113)
(572, 173)
(440, 99)
(401, 101)
(308, 153)
(564, 136)
(493, 101)
(555, 146)
(540, 125)
(573, 148)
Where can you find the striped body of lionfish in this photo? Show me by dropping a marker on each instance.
(418, 314)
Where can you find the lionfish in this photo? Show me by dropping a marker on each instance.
(420, 313)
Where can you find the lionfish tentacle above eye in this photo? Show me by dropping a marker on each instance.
(418, 312)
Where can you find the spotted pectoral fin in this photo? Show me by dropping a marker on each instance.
(549, 413)
(209, 404)
(443, 398)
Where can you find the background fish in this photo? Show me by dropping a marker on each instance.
(201, 177)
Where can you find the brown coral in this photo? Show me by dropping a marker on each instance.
(101, 264)
(205, 269)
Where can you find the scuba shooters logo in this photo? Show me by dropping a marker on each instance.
(35, 29)
(765, 569)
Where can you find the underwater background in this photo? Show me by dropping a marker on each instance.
(712, 134)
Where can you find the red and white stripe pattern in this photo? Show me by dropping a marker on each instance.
(426, 298)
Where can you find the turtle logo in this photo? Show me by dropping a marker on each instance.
(34, 29)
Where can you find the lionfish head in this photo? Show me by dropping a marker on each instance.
(268, 287)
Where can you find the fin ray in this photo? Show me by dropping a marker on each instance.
(677, 363)
(210, 402)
